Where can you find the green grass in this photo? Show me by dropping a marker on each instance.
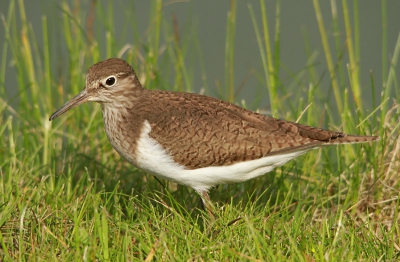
(66, 195)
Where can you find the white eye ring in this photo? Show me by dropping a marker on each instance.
(110, 81)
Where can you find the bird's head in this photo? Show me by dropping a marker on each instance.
(107, 82)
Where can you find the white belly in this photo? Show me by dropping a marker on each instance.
(153, 158)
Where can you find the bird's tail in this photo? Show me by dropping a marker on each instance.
(343, 138)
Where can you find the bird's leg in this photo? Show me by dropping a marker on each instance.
(207, 204)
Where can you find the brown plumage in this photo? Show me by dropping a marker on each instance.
(211, 132)
(193, 139)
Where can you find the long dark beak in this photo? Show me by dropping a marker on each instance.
(79, 99)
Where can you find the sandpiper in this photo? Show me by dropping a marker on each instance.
(192, 139)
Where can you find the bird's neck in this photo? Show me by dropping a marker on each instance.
(121, 128)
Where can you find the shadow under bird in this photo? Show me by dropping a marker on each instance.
(192, 139)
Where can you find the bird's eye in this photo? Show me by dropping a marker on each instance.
(110, 81)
